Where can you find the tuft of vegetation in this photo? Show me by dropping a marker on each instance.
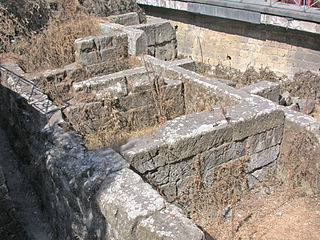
(51, 47)
(299, 165)
(20, 18)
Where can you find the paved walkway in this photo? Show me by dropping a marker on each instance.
(22, 194)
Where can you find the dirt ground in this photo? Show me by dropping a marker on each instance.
(271, 212)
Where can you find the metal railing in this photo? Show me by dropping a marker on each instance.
(305, 4)
(28, 90)
(294, 5)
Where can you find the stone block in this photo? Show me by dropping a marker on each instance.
(101, 48)
(142, 94)
(269, 90)
(84, 44)
(166, 51)
(164, 32)
(169, 190)
(135, 100)
(142, 117)
(184, 63)
(105, 68)
(110, 28)
(221, 154)
(137, 41)
(88, 58)
(265, 140)
(169, 223)
(87, 118)
(191, 134)
(151, 50)
(159, 177)
(306, 106)
(149, 30)
(140, 82)
(263, 158)
(75, 73)
(145, 153)
(127, 19)
(103, 42)
(253, 116)
(115, 82)
(125, 200)
(256, 176)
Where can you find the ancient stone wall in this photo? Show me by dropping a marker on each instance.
(240, 45)
(251, 127)
(10, 228)
(87, 194)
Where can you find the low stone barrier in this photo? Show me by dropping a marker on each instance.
(80, 189)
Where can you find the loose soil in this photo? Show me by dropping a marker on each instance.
(270, 211)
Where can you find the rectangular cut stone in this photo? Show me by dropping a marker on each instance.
(265, 140)
(137, 41)
(252, 116)
(269, 90)
(169, 223)
(130, 18)
(263, 158)
(126, 199)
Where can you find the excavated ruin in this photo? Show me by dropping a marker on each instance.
(145, 188)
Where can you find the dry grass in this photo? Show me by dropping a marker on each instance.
(299, 165)
(20, 18)
(209, 202)
(227, 209)
(240, 79)
(114, 125)
(162, 104)
(53, 47)
(270, 211)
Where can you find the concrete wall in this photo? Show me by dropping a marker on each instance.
(239, 45)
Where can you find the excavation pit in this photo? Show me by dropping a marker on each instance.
(208, 142)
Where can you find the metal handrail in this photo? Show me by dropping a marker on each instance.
(33, 90)
(300, 5)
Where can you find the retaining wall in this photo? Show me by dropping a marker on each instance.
(251, 126)
(87, 194)
(237, 44)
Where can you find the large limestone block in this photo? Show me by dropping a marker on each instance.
(125, 199)
(264, 158)
(169, 223)
(269, 90)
